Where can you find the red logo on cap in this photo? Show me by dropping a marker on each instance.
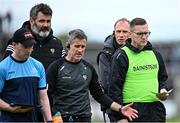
(28, 35)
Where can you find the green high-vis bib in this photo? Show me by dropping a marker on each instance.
(142, 77)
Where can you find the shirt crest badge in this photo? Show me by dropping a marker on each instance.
(85, 77)
(52, 50)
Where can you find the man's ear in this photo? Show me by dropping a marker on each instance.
(113, 32)
(67, 45)
(31, 20)
(13, 43)
(130, 34)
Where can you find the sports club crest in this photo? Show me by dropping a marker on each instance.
(85, 77)
(52, 50)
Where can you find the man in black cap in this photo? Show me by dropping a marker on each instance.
(24, 37)
(22, 83)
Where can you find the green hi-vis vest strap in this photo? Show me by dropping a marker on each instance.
(142, 77)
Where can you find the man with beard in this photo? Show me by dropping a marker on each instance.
(47, 47)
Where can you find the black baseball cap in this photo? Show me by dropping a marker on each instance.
(24, 36)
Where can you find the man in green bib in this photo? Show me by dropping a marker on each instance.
(139, 74)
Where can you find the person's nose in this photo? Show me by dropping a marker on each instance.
(46, 24)
(144, 36)
(80, 49)
(121, 34)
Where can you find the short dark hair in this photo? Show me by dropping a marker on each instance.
(137, 21)
(44, 8)
(77, 33)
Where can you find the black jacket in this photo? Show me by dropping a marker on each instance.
(46, 50)
(104, 61)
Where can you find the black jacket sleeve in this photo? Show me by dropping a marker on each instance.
(51, 77)
(119, 68)
(104, 70)
(162, 73)
(96, 90)
(9, 49)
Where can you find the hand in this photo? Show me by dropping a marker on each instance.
(129, 112)
(163, 94)
(19, 109)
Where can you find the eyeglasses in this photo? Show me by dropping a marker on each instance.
(142, 33)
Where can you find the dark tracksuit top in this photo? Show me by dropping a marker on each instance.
(69, 86)
(119, 69)
(104, 61)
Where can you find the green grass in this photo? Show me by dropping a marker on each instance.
(174, 119)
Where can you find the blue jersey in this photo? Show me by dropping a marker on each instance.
(19, 83)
